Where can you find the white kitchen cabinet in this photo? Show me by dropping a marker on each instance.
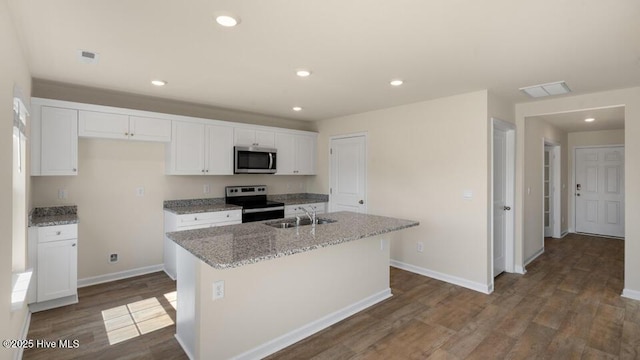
(296, 210)
(54, 143)
(55, 265)
(175, 222)
(199, 149)
(296, 154)
(253, 137)
(120, 126)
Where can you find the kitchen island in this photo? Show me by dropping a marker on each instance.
(248, 290)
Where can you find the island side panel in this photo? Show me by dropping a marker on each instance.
(270, 303)
(187, 312)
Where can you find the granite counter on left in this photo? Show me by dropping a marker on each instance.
(54, 215)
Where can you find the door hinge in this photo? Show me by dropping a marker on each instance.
(331, 151)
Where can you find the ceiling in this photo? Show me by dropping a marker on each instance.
(353, 48)
(605, 119)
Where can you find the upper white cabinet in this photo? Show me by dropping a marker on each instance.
(54, 143)
(120, 126)
(296, 154)
(199, 149)
(253, 137)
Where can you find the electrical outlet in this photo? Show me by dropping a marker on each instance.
(420, 247)
(140, 191)
(62, 194)
(113, 258)
(218, 290)
(206, 188)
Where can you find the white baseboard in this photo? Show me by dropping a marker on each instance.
(631, 294)
(564, 233)
(55, 303)
(95, 280)
(169, 274)
(534, 256)
(312, 328)
(520, 270)
(483, 288)
(23, 335)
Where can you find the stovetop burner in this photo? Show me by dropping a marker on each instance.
(253, 199)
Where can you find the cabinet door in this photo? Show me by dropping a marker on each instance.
(305, 155)
(285, 143)
(219, 150)
(103, 125)
(59, 141)
(265, 138)
(149, 129)
(187, 149)
(244, 137)
(57, 269)
(252, 137)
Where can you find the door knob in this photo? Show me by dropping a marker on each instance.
(507, 208)
(578, 194)
(361, 202)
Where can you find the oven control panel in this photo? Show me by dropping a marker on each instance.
(233, 191)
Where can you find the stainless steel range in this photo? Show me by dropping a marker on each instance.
(253, 199)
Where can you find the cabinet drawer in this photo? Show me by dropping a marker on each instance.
(58, 232)
(209, 218)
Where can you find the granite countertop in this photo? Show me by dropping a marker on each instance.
(196, 206)
(54, 215)
(237, 245)
(300, 198)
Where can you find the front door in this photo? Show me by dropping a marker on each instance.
(348, 174)
(599, 191)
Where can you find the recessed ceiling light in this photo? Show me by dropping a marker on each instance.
(303, 72)
(159, 82)
(589, 119)
(227, 20)
(396, 82)
(296, 108)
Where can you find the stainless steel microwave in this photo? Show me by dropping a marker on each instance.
(254, 160)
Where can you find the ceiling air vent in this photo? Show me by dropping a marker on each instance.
(550, 89)
(88, 57)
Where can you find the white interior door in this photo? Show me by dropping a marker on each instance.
(499, 200)
(599, 192)
(348, 174)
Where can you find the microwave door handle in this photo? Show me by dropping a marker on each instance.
(270, 160)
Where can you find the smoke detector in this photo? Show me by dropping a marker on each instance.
(88, 57)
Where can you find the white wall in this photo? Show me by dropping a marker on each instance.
(13, 71)
(586, 138)
(630, 99)
(421, 158)
(536, 132)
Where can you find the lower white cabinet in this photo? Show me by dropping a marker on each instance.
(175, 222)
(55, 265)
(296, 210)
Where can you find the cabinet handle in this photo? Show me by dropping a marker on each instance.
(126, 134)
(58, 232)
(227, 215)
(131, 134)
(202, 170)
(207, 170)
(74, 169)
(195, 218)
(73, 245)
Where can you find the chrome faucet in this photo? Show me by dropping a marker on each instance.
(311, 214)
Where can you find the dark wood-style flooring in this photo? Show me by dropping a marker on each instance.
(567, 306)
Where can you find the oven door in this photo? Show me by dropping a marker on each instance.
(269, 213)
(254, 160)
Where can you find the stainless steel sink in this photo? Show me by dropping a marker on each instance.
(291, 222)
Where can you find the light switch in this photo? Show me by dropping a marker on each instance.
(140, 191)
(467, 194)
